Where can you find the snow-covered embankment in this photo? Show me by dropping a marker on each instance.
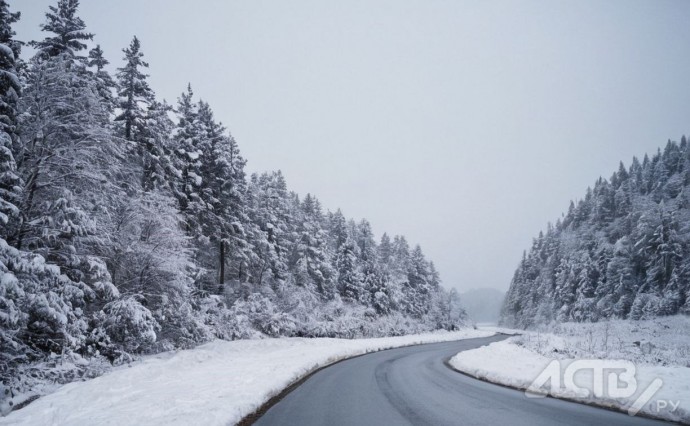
(654, 355)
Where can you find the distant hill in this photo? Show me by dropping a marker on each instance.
(483, 304)
(621, 252)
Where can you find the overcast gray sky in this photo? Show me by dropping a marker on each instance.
(464, 125)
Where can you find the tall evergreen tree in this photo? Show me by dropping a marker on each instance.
(10, 90)
(269, 209)
(104, 81)
(311, 258)
(158, 156)
(225, 222)
(69, 31)
(350, 281)
(134, 92)
(188, 161)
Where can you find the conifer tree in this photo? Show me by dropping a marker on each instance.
(69, 31)
(188, 161)
(10, 90)
(134, 92)
(104, 81)
(350, 280)
(158, 156)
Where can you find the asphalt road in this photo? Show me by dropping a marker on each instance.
(413, 386)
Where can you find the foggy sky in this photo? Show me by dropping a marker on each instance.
(464, 125)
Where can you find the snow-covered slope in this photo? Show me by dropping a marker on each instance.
(659, 349)
(214, 384)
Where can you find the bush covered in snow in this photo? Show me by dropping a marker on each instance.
(129, 324)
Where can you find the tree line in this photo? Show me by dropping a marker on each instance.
(129, 225)
(623, 251)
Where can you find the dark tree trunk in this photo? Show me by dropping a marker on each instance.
(221, 277)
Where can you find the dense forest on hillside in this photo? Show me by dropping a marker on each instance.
(128, 225)
(621, 252)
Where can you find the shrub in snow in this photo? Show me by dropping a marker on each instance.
(264, 315)
(183, 325)
(129, 324)
(222, 323)
(41, 318)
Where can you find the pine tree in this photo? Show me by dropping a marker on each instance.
(417, 290)
(311, 258)
(620, 283)
(188, 151)
(225, 222)
(337, 228)
(158, 157)
(135, 95)
(10, 90)
(68, 29)
(401, 257)
(7, 34)
(385, 250)
(269, 209)
(104, 81)
(350, 282)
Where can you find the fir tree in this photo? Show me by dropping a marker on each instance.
(104, 81)
(68, 29)
(134, 92)
(10, 90)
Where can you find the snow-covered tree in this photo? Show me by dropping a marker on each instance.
(104, 82)
(269, 209)
(350, 281)
(311, 258)
(188, 152)
(134, 92)
(10, 90)
(68, 31)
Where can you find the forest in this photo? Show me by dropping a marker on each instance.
(623, 251)
(129, 226)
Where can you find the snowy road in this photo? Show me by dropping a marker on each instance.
(413, 385)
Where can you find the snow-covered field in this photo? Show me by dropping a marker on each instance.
(661, 341)
(218, 383)
(658, 349)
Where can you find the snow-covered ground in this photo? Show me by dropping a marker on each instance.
(656, 349)
(218, 383)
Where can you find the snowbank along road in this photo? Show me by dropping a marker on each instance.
(415, 386)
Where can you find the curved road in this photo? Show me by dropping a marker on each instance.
(413, 386)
